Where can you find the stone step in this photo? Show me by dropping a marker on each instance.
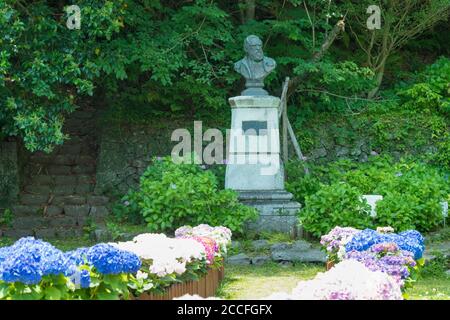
(24, 210)
(41, 179)
(18, 233)
(94, 200)
(77, 210)
(59, 169)
(41, 158)
(83, 114)
(38, 189)
(71, 218)
(56, 232)
(29, 223)
(74, 149)
(62, 190)
(33, 211)
(45, 233)
(63, 159)
(80, 130)
(59, 180)
(98, 213)
(68, 200)
(53, 211)
(83, 169)
(33, 199)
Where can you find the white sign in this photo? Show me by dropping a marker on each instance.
(372, 200)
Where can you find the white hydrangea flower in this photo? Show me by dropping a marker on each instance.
(348, 279)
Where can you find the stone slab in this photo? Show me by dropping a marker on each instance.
(277, 213)
(254, 102)
(239, 259)
(254, 172)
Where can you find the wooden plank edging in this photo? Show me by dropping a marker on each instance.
(205, 287)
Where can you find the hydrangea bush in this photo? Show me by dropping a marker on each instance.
(398, 255)
(347, 280)
(34, 269)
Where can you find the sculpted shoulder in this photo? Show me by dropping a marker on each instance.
(269, 63)
(241, 68)
(237, 65)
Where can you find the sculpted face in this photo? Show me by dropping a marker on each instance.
(253, 48)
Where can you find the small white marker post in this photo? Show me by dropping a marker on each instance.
(372, 200)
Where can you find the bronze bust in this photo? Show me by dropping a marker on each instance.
(254, 67)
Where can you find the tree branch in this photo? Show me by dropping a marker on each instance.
(338, 28)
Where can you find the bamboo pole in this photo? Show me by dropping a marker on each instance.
(285, 121)
(287, 128)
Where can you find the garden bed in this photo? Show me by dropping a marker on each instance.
(150, 267)
(205, 287)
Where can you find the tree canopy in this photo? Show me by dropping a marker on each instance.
(174, 57)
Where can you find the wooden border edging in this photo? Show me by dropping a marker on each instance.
(205, 287)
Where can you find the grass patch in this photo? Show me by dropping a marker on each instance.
(430, 288)
(254, 282)
(118, 229)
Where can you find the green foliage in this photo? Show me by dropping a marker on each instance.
(412, 192)
(59, 287)
(333, 205)
(302, 187)
(432, 92)
(6, 218)
(147, 58)
(172, 195)
(435, 268)
(442, 156)
(44, 65)
(412, 198)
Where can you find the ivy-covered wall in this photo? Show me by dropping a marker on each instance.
(329, 137)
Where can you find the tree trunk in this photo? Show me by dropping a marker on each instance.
(379, 80)
(250, 10)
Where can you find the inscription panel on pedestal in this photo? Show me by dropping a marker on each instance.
(254, 128)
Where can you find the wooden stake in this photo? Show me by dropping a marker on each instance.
(288, 128)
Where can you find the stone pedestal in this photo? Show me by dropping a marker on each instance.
(254, 167)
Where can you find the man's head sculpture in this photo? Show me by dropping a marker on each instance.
(254, 67)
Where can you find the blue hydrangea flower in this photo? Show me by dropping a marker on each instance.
(410, 240)
(108, 259)
(23, 267)
(85, 279)
(78, 256)
(28, 260)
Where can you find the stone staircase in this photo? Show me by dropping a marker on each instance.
(58, 198)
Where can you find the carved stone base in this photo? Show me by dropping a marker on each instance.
(277, 211)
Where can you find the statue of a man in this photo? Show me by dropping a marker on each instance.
(254, 67)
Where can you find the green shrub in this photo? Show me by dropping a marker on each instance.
(432, 93)
(413, 199)
(435, 268)
(442, 157)
(333, 205)
(412, 192)
(301, 188)
(172, 195)
(6, 218)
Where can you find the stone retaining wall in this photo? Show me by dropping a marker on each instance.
(125, 152)
(9, 172)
